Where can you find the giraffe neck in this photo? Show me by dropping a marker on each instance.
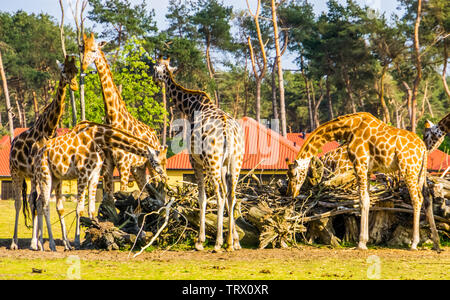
(340, 128)
(114, 105)
(48, 121)
(444, 124)
(187, 101)
(108, 136)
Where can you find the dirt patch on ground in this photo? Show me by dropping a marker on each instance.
(301, 253)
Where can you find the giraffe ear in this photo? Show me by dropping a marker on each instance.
(172, 69)
(60, 65)
(84, 36)
(102, 44)
(163, 149)
(428, 124)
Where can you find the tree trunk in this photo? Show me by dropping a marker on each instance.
(280, 71)
(386, 116)
(330, 105)
(308, 95)
(444, 69)
(8, 102)
(262, 69)
(274, 93)
(35, 106)
(418, 67)
(164, 130)
(258, 100)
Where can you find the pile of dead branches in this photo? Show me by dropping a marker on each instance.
(326, 212)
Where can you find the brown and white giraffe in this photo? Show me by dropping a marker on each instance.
(45, 127)
(372, 146)
(216, 149)
(79, 155)
(336, 162)
(118, 116)
(434, 135)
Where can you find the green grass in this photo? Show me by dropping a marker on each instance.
(306, 263)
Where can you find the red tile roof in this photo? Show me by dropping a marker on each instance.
(257, 134)
(264, 148)
(5, 148)
(299, 138)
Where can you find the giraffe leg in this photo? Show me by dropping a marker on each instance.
(202, 206)
(108, 182)
(92, 191)
(430, 217)
(233, 236)
(364, 200)
(51, 241)
(416, 200)
(219, 191)
(60, 211)
(82, 183)
(16, 183)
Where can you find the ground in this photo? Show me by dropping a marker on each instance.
(304, 262)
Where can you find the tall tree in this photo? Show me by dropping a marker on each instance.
(212, 21)
(259, 62)
(280, 68)
(8, 101)
(121, 20)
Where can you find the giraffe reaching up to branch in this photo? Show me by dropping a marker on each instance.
(372, 146)
(79, 155)
(20, 160)
(118, 116)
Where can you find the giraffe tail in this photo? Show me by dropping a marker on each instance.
(25, 208)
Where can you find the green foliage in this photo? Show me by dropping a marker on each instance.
(122, 19)
(138, 88)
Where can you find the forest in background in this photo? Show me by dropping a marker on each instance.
(350, 58)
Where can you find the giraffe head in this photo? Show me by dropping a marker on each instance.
(297, 171)
(432, 136)
(69, 72)
(91, 50)
(157, 160)
(162, 70)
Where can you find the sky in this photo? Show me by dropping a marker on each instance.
(52, 8)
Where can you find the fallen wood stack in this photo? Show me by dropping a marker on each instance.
(324, 213)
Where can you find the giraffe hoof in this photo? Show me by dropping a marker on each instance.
(199, 247)
(217, 249)
(361, 246)
(67, 246)
(14, 246)
(237, 246)
(229, 249)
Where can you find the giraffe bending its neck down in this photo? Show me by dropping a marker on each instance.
(372, 146)
(118, 116)
(79, 155)
(216, 148)
(434, 135)
(45, 127)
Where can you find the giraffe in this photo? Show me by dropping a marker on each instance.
(372, 145)
(45, 127)
(118, 116)
(336, 162)
(433, 135)
(79, 155)
(216, 148)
